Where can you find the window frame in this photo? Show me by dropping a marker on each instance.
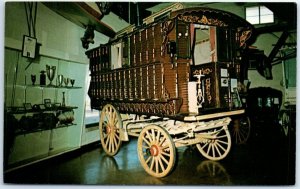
(259, 14)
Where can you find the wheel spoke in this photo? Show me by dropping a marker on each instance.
(104, 124)
(152, 164)
(145, 147)
(106, 116)
(213, 150)
(148, 159)
(110, 143)
(217, 149)
(223, 136)
(204, 145)
(217, 143)
(107, 141)
(156, 165)
(165, 153)
(162, 141)
(110, 115)
(165, 147)
(153, 135)
(115, 140)
(158, 136)
(237, 137)
(209, 147)
(117, 136)
(113, 117)
(148, 135)
(243, 133)
(240, 136)
(116, 121)
(161, 164)
(146, 141)
(164, 159)
(104, 136)
(223, 142)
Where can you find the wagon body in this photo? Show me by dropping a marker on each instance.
(154, 69)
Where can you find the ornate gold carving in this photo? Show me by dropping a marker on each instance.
(167, 28)
(245, 35)
(202, 20)
(205, 71)
(158, 108)
(207, 90)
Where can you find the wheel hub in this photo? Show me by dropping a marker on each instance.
(154, 150)
(108, 129)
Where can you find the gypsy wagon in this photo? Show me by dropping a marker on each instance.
(173, 81)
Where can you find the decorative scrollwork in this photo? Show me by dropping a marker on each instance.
(202, 20)
(167, 28)
(147, 108)
(207, 90)
(245, 35)
(200, 96)
(205, 71)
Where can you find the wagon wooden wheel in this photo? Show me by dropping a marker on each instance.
(156, 151)
(216, 144)
(110, 125)
(241, 130)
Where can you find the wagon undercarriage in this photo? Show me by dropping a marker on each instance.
(159, 137)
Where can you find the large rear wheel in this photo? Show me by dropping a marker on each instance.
(110, 125)
(241, 130)
(156, 151)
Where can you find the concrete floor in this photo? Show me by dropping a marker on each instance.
(267, 161)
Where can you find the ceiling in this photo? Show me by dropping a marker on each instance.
(285, 12)
(122, 10)
(84, 13)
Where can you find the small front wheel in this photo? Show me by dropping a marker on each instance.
(216, 144)
(156, 151)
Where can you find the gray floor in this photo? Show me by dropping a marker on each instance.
(264, 161)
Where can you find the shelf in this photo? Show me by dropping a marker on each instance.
(52, 86)
(24, 132)
(20, 110)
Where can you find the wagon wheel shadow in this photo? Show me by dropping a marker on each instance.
(214, 172)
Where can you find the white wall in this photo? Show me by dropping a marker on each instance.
(59, 37)
(266, 42)
(61, 47)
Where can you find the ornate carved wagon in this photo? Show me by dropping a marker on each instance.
(172, 82)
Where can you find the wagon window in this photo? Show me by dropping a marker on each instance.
(183, 40)
(225, 44)
(126, 61)
(116, 55)
(204, 44)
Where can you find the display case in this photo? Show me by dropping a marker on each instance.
(47, 124)
(44, 116)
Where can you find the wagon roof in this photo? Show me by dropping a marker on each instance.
(214, 17)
